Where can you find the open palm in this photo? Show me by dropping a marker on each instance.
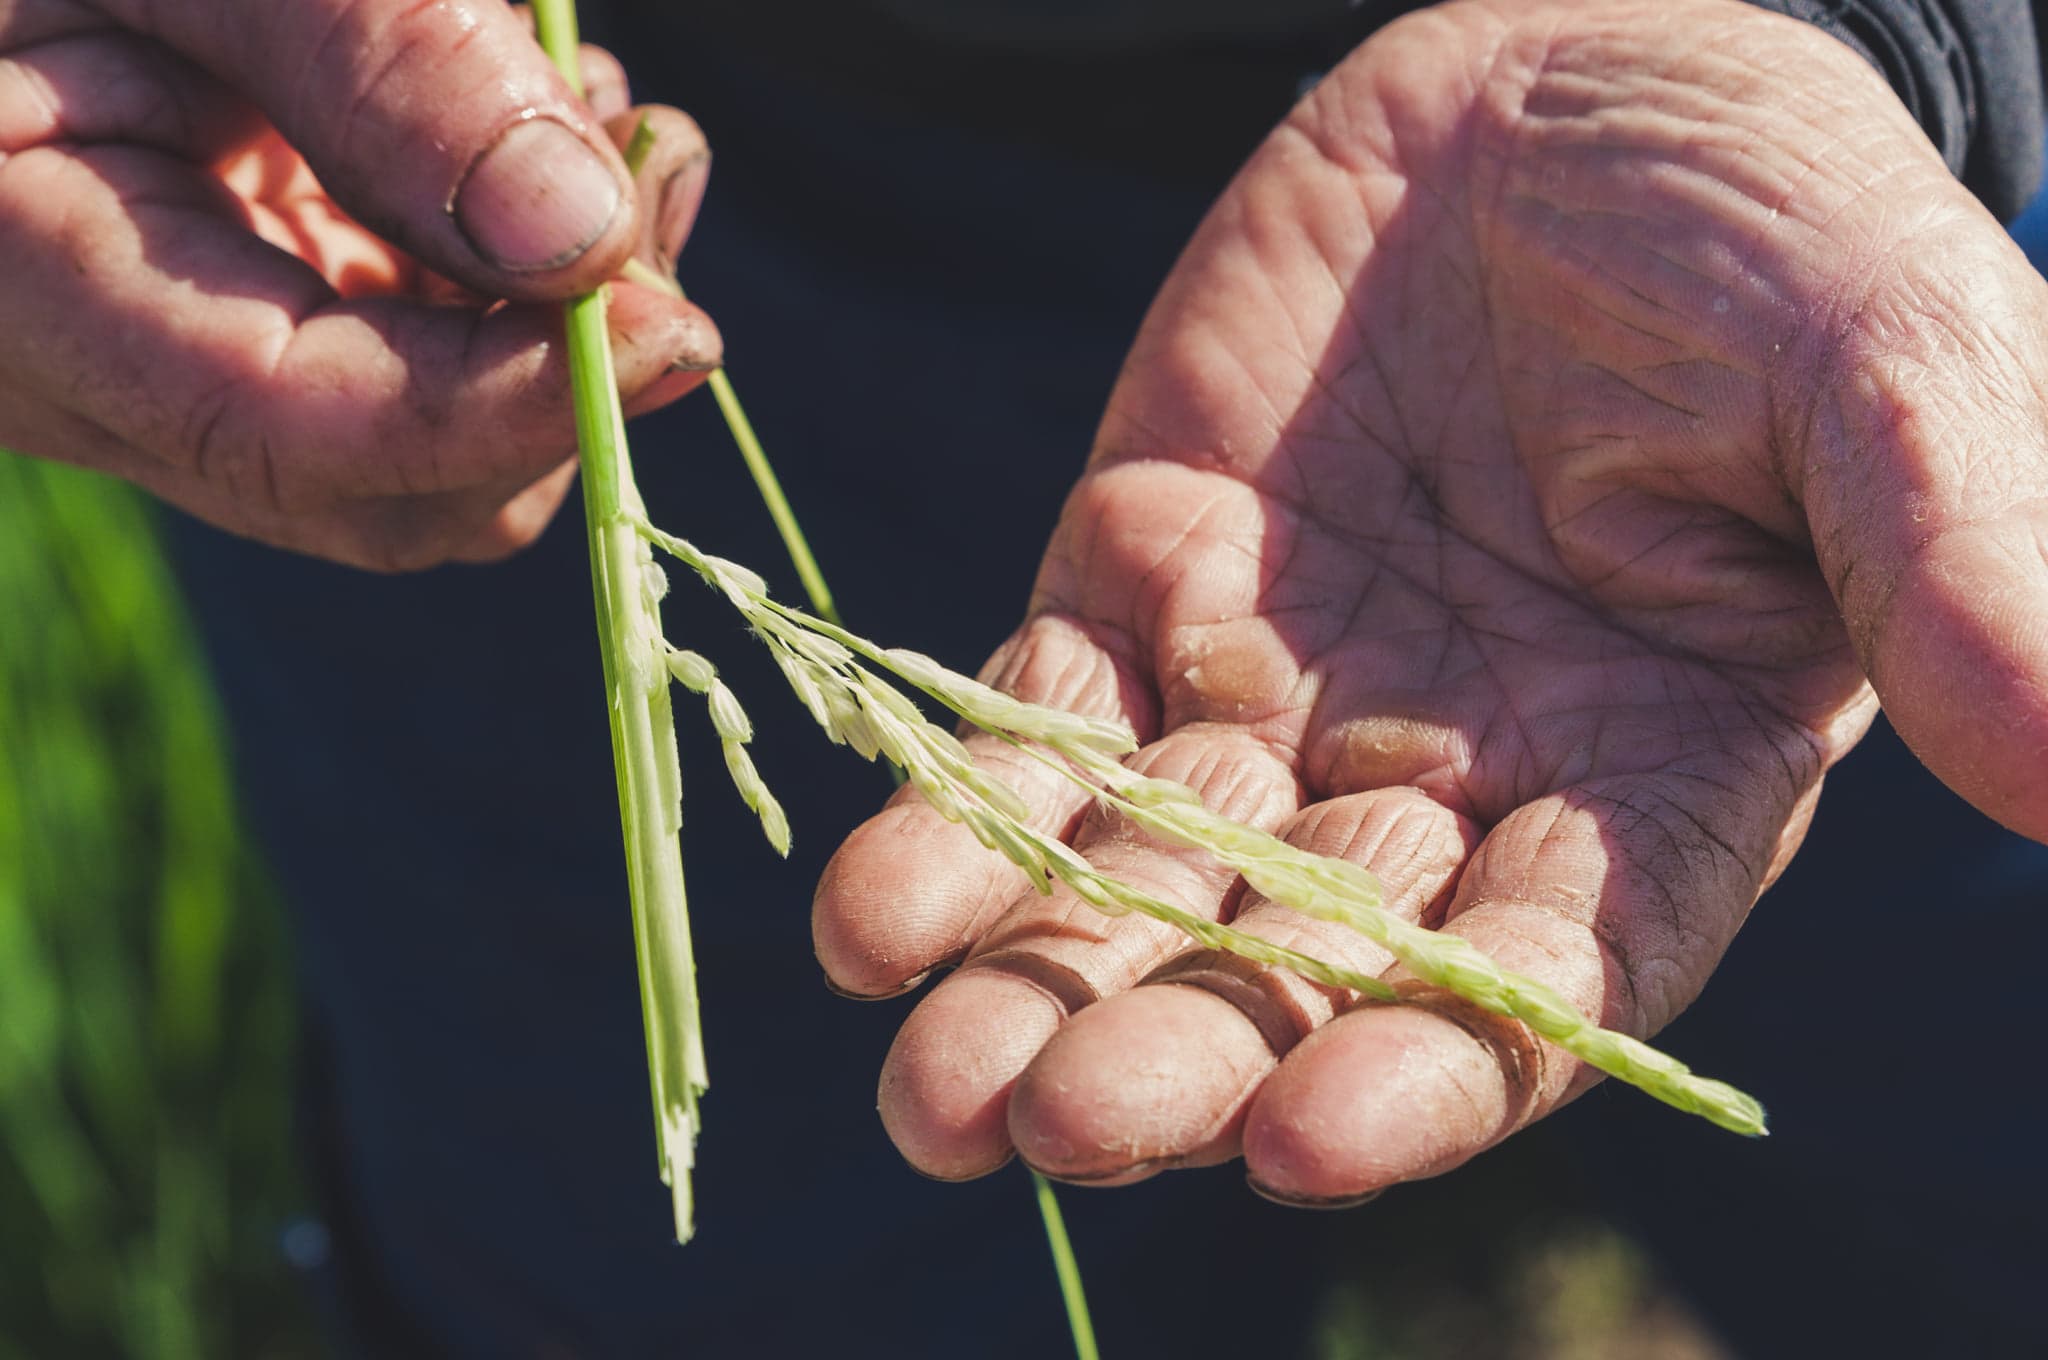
(1511, 490)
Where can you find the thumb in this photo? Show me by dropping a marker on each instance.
(1925, 475)
(442, 127)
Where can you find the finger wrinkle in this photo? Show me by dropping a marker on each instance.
(1001, 888)
(1257, 993)
(1308, 1002)
(1414, 844)
(1058, 921)
(1113, 952)
(1067, 989)
(1305, 1003)
(203, 435)
(1235, 775)
(1084, 666)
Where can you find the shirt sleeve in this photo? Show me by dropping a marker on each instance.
(1969, 70)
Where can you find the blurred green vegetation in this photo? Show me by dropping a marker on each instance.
(144, 987)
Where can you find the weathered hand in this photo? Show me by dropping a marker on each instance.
(1511, 490)
(183, 304)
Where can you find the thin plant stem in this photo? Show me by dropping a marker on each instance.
(820, 595)
(1067, 1268)
(1072, 1294)
(626, 587)
(638, 145)
(799, 549)
(765, 481)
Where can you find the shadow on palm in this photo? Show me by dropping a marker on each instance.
(1470, 492)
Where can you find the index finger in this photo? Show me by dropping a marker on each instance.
(234, 366)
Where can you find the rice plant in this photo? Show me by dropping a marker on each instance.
(839, 677)
(144, 1012)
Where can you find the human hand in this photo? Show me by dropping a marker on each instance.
(1518, 487)
(321, 362)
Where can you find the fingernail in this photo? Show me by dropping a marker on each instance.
(910, 986)
(537, 199)
(959, 1180)
(1294, 1201)
(681, 194)
(1088, 1178)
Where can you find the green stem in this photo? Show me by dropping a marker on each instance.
(770, 487)
(643, 730)
(623, 585)
(765, 481)
(1068, 1269)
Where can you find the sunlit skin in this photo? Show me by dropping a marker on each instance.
(189, 308)
(1556, 441)
(1511, 489)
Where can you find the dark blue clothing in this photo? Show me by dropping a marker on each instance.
(925, 323)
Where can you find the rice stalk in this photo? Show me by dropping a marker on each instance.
(627, 588)
(838, 676)
(834, 672)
